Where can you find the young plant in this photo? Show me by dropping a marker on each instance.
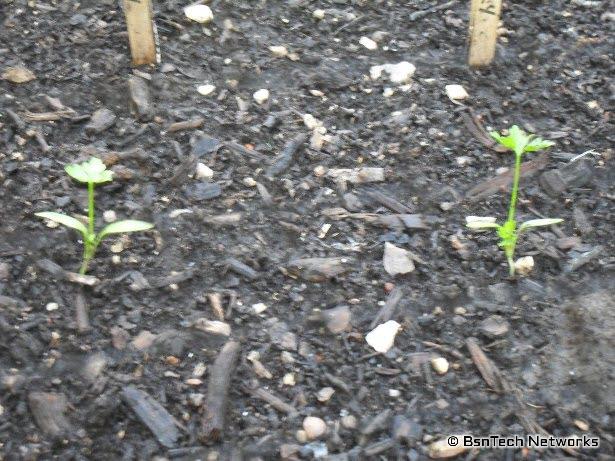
(92, 172)
(519, 142)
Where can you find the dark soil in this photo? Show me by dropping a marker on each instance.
(556, 358)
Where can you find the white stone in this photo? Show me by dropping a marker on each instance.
(289, 379)
(206, 90)
(368, 43)
(50, 307)
(318, 14)
(388, 92)
(259, 308)
(199, 13)
(314, 427)
(249, 181)
(325, 394)
(463, 160)
(524, 265)
(261, 96)
(109, 216)
(397, 260)
(394, 393)
(456, 92)
(440, 365)
(401, 72)
(382, 337)
(278, 51)
(311, 122)
(203, 171)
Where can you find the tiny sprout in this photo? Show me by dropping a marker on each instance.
(92, 172)
(519, 142)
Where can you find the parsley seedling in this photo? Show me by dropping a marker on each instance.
(92, 172)
(519, 142)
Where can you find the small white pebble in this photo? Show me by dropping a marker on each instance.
(456, 92)
(388, 92)
(463, 160)
(394, 393)
(440, 365)
(199, 370)
(249, 182)
(206, 90)
(199, 13)
(261, 96)
(325, 394)
(115, 259)
(50, 307)
(110, 216)
(320, 171)
(203, 171)
(314, 427)
(278, 51)
(368, 43)
(317, 93)
(460, 310)
(289, 379)
(318, 14)
(259, 308)
(524, 265)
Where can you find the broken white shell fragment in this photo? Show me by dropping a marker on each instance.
(261, 96)
(456, 92)
(524, 265)
(199, 13)
(440, 365)
(382, 337)
(368, 43)
(278, 51)
(206, 90)
(259, 308)
(401, 72)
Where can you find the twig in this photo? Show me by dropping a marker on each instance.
(213, 423)
(388, 310)
(272, 400)
(81, 312)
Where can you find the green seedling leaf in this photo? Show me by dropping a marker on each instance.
(65, 220)
(91, 171)
(537, 144)
(129, 225)
(539, 223)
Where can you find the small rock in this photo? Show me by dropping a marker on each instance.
(203, 191)
(441, 449)
(278, 51)
(396, 260)
(456, 92)
(581, 425)
(259, 308)
(382, 337)
(215, 327)
(206, 90)
(494, 326)
(18, 74)
(289, 379)
(314, 427)
(368, 43)
(119, 338)
(203, 171)
(109, 216)
(440, 365)
(287, 450)
(100, 121)
(398, 73)
(140, 98)
(524, 265)
(167, 67)
(336, 319)
(261, 96)
(301, 436)
(50, 307)
(94, 366)
(318, 14)
(5, 271)
(325, 394)
(349, 422)
(249, 182)
(280, 336)
(394, 393)
(311, 122)
(357, 175)
(199, 13)
(143, 340)
(196, 399)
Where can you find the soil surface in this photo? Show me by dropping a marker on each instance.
(254, 250)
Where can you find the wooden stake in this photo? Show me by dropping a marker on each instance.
(140, 31)
(484, 21)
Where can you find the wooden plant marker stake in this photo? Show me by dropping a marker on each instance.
(141, 33)
(484, 21)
